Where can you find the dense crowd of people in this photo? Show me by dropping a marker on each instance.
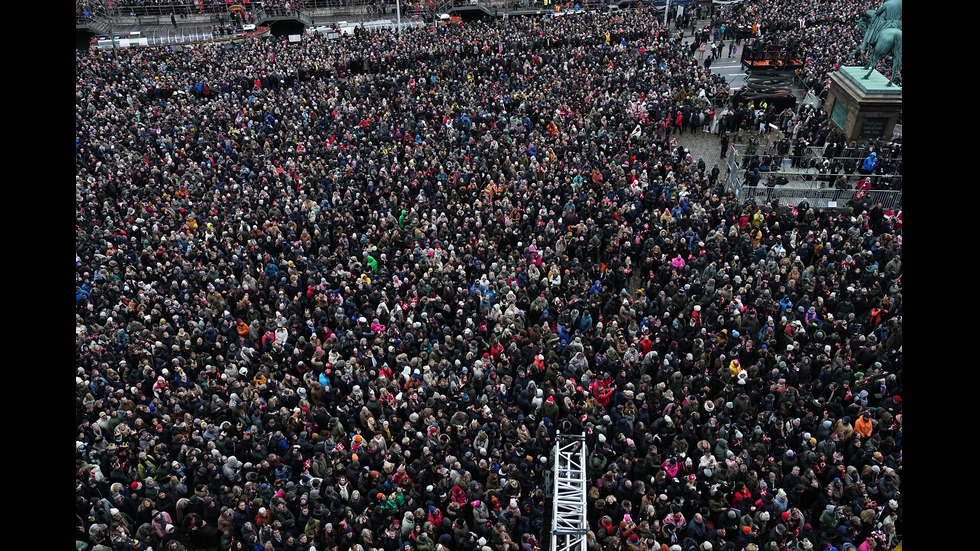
(344, 295)
(826, 36)
(826, 31)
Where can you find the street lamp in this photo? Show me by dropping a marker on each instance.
(398, 12)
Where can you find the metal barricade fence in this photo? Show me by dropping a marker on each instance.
(818, 198)
(796, 178)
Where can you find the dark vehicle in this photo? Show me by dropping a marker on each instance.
(763, 79)
(778, 97)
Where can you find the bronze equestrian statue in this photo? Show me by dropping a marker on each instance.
(882, 30)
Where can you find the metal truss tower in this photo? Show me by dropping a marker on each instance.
(569, 523)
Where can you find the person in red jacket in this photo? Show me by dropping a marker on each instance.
(435, 515)
(604, 396)
(742, 492)
(263, 517)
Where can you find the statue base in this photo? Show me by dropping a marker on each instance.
(865, 109)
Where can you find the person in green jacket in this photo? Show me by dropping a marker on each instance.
(392, 503)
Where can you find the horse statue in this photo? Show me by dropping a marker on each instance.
(882, 30)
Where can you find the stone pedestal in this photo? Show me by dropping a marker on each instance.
(865, 109)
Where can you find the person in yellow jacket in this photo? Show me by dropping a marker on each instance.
(735, 368)
(723, 337)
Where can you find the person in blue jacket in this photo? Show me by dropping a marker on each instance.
(870, 163)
